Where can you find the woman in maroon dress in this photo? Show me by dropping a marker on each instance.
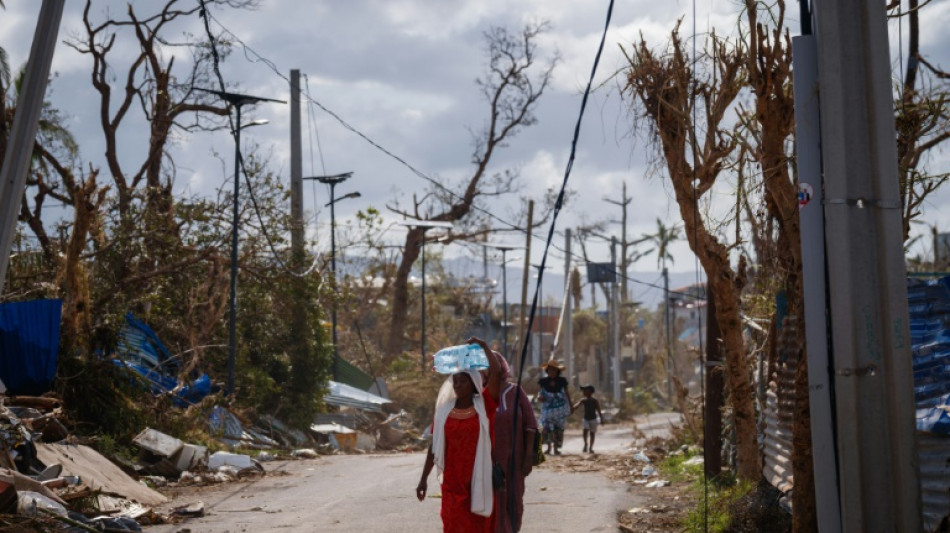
(509, 502)
(461, 448)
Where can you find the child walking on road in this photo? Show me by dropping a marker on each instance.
(591, 410)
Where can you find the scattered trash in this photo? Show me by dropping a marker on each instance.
(305, 453)
(32, 504)
(190, 456)
(156, 442)
(657, 483)
(192, 510)
(648, 470)
(695, 460)
(639, 456)
(265, 457)
(219, 459)
(638, 510)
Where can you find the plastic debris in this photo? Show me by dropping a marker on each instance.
(695, 460)
(29, 503)
(657, 483)
(305, 453)
(648, 470)
(191, 510)
(219, 459)
(639, 456)
(265, 457)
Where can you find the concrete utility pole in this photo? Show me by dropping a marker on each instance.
(615, 323)
(811, 214)
(568, 311)
(526, 274)
(623, 203)
(296, 170)
(16, 160)
(873, 380)
(667, 320)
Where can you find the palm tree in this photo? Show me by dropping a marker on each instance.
(664, 236)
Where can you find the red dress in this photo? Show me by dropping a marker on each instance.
(461, 442)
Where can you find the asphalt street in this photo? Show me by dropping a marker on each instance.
(376, 492)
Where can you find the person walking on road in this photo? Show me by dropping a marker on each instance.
(509, 500)
(461, 449)
(555, 405)
(591, 411)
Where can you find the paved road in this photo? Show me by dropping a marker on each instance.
(375, 493)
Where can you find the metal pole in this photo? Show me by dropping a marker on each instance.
(808, 153)
(615, 322)
(569, 310)
(336, 353)
(232, 299)
(296, 170)
(873, 379)
(423, 331)
(19, 153)
(504, 297)
(526, 273)
(669, 333)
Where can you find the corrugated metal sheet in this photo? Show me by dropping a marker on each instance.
(933, 453)
(344, 395)
(347, 373)
(29, 345)
(779, 409)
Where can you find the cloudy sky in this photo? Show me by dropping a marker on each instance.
(403, 72)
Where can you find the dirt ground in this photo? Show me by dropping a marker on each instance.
(658, 509)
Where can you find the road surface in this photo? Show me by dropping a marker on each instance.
(376, 493)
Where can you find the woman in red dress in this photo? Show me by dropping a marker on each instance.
(461, 448)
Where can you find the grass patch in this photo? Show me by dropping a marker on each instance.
(715, 512)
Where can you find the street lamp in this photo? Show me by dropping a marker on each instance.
(541, 308)
(332, 181)
(424, 225)
(237, 101)
(503, 248)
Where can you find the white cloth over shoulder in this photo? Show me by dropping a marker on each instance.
(482, 495)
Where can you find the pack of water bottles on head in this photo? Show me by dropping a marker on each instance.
(460, 358)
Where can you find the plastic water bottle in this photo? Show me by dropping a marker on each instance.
(460, 358)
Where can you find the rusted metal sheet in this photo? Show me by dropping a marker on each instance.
(933, 454)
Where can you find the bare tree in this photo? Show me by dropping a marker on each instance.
(512, 86)
(667, 87)
(922, 119)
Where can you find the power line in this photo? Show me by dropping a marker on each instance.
(258, 58)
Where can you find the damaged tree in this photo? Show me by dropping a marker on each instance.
(513, 84)
(667, 87)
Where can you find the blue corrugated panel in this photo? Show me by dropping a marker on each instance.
(139, 343)
(29, 345)
(929, 310)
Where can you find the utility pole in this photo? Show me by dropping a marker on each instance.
(19, 154)
(870, 337)
(624, 258)
(615, 323)
(568, 310)
(814, 288)
(526, 274)
(712, 405)
(296, 171)
(669, 333)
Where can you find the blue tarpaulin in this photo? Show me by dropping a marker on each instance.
(140, 350)
(929, 308)
(29, 345)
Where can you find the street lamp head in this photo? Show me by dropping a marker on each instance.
(426, 224)
(354, 194)
(258, 122)
(331, 180)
